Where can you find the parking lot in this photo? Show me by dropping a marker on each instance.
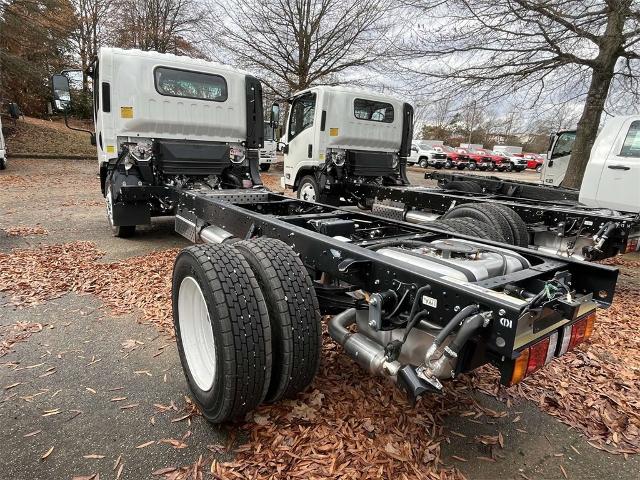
(91, 383)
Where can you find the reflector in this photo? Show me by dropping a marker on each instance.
(520, 367)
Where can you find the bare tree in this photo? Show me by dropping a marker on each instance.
(570, 49)
(166, 26)
(294, 44)
(87, 37)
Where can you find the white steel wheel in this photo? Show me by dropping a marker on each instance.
(308, 189)
(197, 335)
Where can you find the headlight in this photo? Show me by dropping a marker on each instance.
(237, 154)
(338, 157)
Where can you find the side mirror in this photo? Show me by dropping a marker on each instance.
(275, 115)
(61, 92)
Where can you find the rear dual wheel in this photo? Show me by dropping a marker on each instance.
(247, 325)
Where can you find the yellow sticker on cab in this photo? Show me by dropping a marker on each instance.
(333, 132)
(111, 149)
(126, 112)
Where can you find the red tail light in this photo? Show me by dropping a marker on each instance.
(538, 356)
(558, 343)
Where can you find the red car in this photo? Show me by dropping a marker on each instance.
(476, 159)
(454, 158)
(496, 162)
(534, 161)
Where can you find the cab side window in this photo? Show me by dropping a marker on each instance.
(302, 112)
(631, 146)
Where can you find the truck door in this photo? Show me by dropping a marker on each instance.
(301, 147)
(619, 186)
(558, 158)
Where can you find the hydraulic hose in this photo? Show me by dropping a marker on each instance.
(469, 326)
(448, 328)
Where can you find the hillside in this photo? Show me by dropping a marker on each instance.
(33, 136)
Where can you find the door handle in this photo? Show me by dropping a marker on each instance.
(618, 167)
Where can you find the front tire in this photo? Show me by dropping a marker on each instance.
(3, 163)
(539, 169)
(448, 164)
(294, 315)
(509, 167)
(120, 231)
(423, 163)
(308, 189)
(222, 330)
(472, 165)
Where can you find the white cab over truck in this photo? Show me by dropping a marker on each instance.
(339, 135)
(164, 121)
(3, 149)
(612, 177)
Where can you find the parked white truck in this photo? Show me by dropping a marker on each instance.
(340, 135)
(344, 155)
(612, 177)
(3, 149)
(427, 155)
(164, 121)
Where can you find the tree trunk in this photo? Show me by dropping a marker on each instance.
(587, 128)
(609, 51)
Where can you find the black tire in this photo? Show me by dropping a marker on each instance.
(3, 163)
(237, 313)
(539, 169)
(469, 227)
(448, 164)
(519, 228)
(491, 167)
(509, 167)
(423, 162)
(120, 231)
(473, 165)
(294, 314)
(473, 187)
(264, 167)
(486, 216)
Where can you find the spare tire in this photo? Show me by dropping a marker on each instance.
(474, 228)
(521, 233)
(487, 216)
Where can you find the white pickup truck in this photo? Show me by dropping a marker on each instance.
(612, 177)
(427, 155)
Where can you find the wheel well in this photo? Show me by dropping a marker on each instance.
(423, 157)
(103, 176)
(303, 172)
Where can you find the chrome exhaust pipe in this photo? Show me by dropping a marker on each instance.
(367, 353)
(417, 216)
(213, 234)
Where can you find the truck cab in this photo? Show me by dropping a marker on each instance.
(165, 122)
(337, 136)
(612, 175)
